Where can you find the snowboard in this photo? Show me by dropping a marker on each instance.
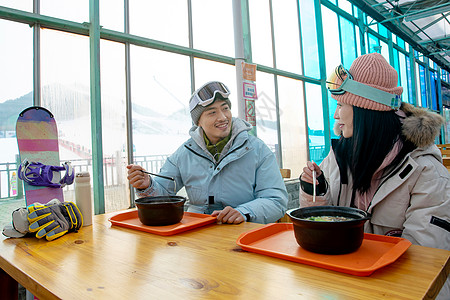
(37, 139)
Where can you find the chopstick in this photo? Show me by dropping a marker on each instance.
(165, 177)
(314, 185)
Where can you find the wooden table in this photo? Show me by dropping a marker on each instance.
(110, 262)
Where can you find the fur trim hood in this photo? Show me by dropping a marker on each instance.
(420, 126)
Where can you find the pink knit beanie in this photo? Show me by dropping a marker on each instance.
(373, 70)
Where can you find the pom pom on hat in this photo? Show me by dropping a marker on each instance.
(373, 70)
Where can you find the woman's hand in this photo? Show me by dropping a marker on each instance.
(138, 179)
(228, 215)
(308, 170)
(306, 198)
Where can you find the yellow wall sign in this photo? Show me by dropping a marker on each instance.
(249, 71)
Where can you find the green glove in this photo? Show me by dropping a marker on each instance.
(53, 221)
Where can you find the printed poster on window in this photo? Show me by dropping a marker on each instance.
(249, 89)
(249, 71)
(250, 109)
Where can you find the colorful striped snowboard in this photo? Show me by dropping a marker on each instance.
(37, 138)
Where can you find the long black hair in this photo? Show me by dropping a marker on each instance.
(374, 135)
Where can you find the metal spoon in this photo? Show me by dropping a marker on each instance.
(162, 176)
(314, 185)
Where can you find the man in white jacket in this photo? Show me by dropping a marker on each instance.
(227, 172)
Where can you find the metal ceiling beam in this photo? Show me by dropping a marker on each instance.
(398, 30)
(440, 52)
(419, 14)
(435, 40)
(432, 23)
(428, 12)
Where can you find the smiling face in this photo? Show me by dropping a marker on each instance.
(216, 121)
(344, 117)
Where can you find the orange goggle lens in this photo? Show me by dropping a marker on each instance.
(336, 78)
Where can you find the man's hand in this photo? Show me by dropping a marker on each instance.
(138, 179)
(228, 215)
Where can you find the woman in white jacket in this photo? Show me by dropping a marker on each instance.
(385, 161)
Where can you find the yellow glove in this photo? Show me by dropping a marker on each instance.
(53, 221)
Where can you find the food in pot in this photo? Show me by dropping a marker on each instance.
(328, 218)
(328, 237)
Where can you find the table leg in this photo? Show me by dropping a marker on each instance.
(8, 286)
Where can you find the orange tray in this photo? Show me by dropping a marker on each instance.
(190, 221)
(278, 240)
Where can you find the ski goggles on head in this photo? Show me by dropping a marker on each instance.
(205, 95)
(341, 81)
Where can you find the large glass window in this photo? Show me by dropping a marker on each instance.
(331, 39)
(433, 91)
(16, 94)
(446, 115)
(396, 65)
(370, 22)
(316, 132)
(206, 70)
(160, 91)
(165, 21)
(65, 92)
(111, 14)
(409, 70)
(72, 10)
(423, 86)
(16, 61)
(345, 5)
(261, 36)
(358, 41)
(400, 42)
(418, 86)
(26, 5)
(445, 76)
(374, 45)
(266, 115)
(114, 129)
(348, 41)
(332, 52)
(403, 77)
(332, 104)
(309, 39)
(213, 26)
(287, 39)
(292, 125)
(384, 50)
(383, 30)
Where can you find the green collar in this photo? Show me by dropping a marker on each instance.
(216, 149)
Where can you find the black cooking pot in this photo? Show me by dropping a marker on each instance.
(329, 237)
(160, 210)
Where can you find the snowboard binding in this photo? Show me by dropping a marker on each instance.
(38, 174)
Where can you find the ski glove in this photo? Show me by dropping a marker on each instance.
(19, 226)
(53, 221)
